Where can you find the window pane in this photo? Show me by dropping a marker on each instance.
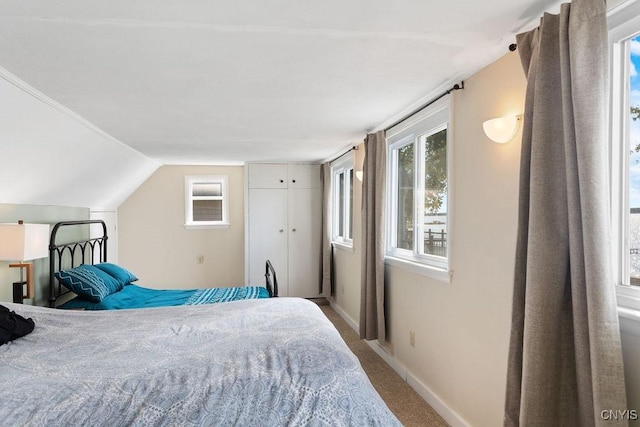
(404, 226)
(207, 210)
(341, 204)
(207, 189)
(634, 165)
(350, 184)
(435, 194)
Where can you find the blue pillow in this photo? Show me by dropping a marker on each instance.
(122, 275)
(88, 282)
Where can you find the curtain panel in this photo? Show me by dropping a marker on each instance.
(565, 359)
(327, 270)
(372, 317)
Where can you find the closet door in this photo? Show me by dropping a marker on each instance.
(268, 175)
(304, 176)
(305, 211)
(268, 235)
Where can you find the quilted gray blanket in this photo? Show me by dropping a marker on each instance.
(269, 362)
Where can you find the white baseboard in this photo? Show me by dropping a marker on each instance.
(450, 416)
(345, 316)
(440, 406)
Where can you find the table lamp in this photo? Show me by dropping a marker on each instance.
(23, 242)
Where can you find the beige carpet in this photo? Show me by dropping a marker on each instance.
(403, 401)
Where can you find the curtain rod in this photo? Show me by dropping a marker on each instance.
(354, 148)
(513, 47)
(437, 98)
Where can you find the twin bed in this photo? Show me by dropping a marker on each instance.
(81, 267)
(265, 361)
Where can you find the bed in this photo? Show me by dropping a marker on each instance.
(262, 362)
(81, 267)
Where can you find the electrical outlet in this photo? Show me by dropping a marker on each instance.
(412, 338)
(200, 259)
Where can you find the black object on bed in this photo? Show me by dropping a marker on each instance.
(82, 267)
(13, 326)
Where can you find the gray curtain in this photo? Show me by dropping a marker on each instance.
(325, 284)
(565, 360)
(372, 320)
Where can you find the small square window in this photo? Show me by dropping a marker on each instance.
(206, 203)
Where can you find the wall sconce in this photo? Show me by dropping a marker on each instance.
(23, 242)
(501, 129)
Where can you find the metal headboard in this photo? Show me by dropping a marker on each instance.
(69, 255)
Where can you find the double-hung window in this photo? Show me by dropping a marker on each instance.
(206, 201)
(418, 188)
(342, 203)
(624, 25)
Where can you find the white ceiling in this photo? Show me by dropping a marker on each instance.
(202, 81)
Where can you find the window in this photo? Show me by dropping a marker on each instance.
(206, 201)
(418, 186)
(342, 193)
(624, 27)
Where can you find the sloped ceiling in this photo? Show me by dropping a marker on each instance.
(207, 81)
(48, 156)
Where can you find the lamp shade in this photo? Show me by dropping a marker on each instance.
(23, 242)
(502, 129)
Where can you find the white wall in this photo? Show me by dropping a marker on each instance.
(154, 244)
(60, 158)
(462, 328)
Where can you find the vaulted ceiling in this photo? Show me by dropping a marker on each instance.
(207, 81)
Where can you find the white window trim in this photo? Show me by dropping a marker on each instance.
(428, 121)
(624, 23)
(342, 165)
(188, 206)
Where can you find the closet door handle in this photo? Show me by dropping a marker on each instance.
(282, 180)
(281, 230)
(293, 180)
(294, 230)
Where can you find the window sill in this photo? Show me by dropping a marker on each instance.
(206, 226)
(628, 299)
(439, 274)
(629, 321)
(343, 246)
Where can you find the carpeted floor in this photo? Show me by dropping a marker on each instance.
(403, 401)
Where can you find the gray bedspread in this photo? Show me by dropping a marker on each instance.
(270, 362)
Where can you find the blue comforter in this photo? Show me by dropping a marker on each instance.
(133, 296)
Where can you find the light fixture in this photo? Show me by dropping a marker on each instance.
(23, 242)
(359, 175)
(501, 129)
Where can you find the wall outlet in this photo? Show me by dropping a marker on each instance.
(200, 259)
(412, 338)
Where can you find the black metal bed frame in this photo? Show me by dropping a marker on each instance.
(270, 279)
(95, 249)
(86, 251)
